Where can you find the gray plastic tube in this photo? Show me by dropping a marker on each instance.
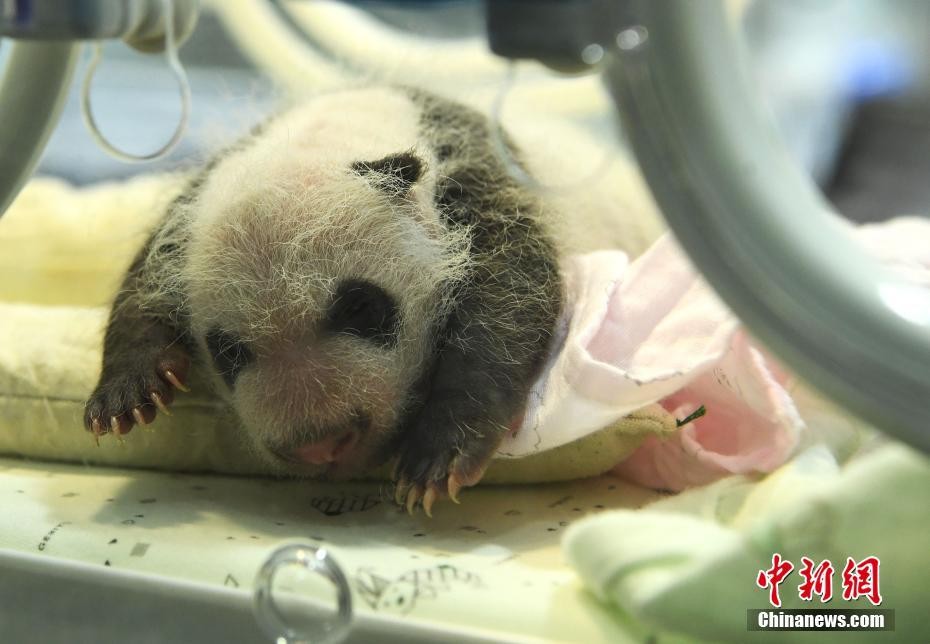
(757, 228)
(33, 89)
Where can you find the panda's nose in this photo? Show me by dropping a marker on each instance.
(327, 450)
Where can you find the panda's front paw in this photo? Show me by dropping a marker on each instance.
(439, 457)
(133, 389)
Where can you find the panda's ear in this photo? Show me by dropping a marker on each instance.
(395, 173)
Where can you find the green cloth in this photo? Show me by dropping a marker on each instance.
(689, 564)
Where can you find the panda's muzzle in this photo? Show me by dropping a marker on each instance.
(332, 447)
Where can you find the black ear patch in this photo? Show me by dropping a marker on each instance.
(395, 173)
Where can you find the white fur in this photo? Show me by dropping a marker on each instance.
(282, 220)
(280, 223)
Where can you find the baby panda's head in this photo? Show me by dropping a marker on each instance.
(317, 275)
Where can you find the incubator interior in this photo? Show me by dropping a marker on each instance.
(739, 381)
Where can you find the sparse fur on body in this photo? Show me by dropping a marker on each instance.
(364, 281)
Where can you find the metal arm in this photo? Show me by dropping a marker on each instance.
(757, 228)
(37, 77)
(33, 89)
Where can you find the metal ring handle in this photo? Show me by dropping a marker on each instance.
(269, 615)
(171, 55)
(757, 228)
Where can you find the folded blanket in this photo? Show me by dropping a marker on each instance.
(654, 332)
(689, 564)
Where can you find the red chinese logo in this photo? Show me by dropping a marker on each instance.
(860, 579)
(772, 577)
(817, 581)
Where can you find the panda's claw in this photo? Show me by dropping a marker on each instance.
(467, 470)
(170, 376)
(430, 477)
(413, 497)
(96, 427)
(138, 416)
(429, 498)
(115, 427)
(454, 487)
(160, 403)
(134, 386)
(400, 491)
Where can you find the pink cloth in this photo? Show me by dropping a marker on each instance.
(653, 331)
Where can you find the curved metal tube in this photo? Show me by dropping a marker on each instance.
(271, 45)
(32, 93)
(369, 48)
(757, 228)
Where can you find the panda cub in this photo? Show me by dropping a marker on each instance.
(366, 284)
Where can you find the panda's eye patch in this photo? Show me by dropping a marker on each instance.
(362, 309)
(230, 355)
